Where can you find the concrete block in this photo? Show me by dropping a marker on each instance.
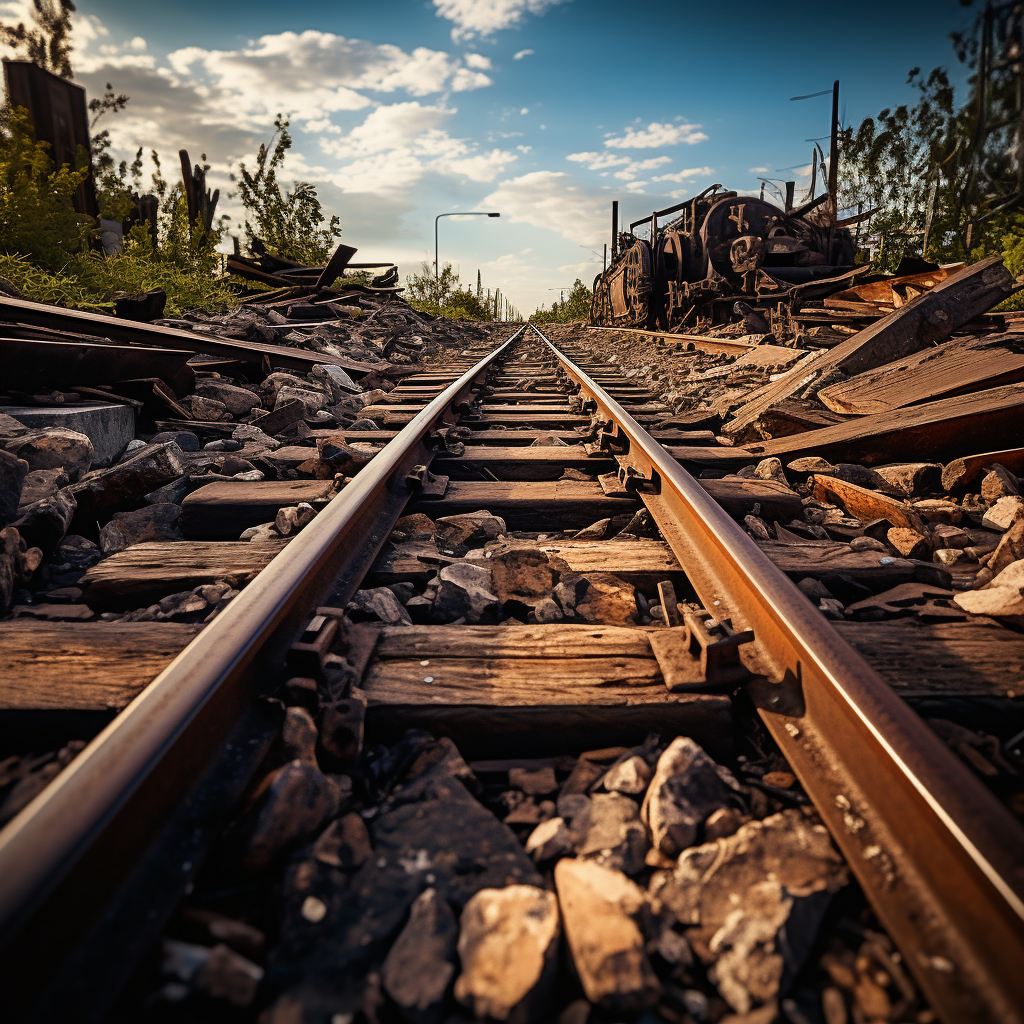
(109, 426)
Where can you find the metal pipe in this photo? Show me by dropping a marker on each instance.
(833, 154)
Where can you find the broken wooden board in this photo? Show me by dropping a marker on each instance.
(963, 472)
(954, 367)
(81, 322)
(929, 318)
(143, 573)
(84, 666)
(44, 364)
(919, 659)
(222, 510)
(530, 689)
(934, 432)
(864, 504)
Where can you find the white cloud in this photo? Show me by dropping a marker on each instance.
(485, 17)
(550, 199)
(656, 135)
(686, 172)
(521, 54)
(478, 61)
(629, 168)
(757, 170)
(524, 110)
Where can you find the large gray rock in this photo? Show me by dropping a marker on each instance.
(109, 426)
(687, 788)
(611, 833)
(520, 573)
(292, 804)
(465, 590)
(508, 945)
(419, 967)
(150, 523)
(54, 448)
(752, 902)
(602, 911)
(126, 484)
(238, 401)
(44, 522)
(457, 534)
(12, 481)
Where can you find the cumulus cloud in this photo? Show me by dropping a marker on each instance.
(656, 135)
(398, 144)
(552, 200)
(628, 168)
(686, 172)
(478, 60)
(521, 54)
(757, 170)
(485, 17)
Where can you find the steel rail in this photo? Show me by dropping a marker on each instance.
(69, 851)
(940, 859)
(699, 341)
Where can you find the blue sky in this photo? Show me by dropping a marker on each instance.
(544, 110)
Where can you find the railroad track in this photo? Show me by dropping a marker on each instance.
(550, 442)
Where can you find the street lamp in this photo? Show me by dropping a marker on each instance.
(468, 213)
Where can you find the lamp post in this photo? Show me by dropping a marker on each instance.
(468, 213)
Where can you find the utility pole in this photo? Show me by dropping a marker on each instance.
(833, 154)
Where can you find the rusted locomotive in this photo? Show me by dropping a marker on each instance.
(720, 250)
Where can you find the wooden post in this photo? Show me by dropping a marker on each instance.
(833, 154)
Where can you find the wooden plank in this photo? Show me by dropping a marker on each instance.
(565, 504)
(948, 659)
(531, 702)
(822, 559)
(561, 640)
(934, 432)
(143, 573)
(542, 505)
(223, 509)
(644, 563)
(963, 472)
(526, 463)
(84, 666)
(955, 367)
(929, 318)
(72, 362)
(728, 459)
(863, 503)
(79, 321)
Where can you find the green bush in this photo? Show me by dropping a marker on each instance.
(442, 295)
(290, 224)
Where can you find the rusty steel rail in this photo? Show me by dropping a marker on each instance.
(940, 859)
(64, 858)
(721, 346)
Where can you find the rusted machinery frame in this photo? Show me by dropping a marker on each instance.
(940, 859)
(65, 855)
(715, 345)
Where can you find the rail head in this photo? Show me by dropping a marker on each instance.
(940, 858)
(158, 747)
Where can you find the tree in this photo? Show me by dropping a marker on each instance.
(575, 308)
(945, 179)
(290, 224)
(48, 41)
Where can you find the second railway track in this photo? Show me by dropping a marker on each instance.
(444, 590)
